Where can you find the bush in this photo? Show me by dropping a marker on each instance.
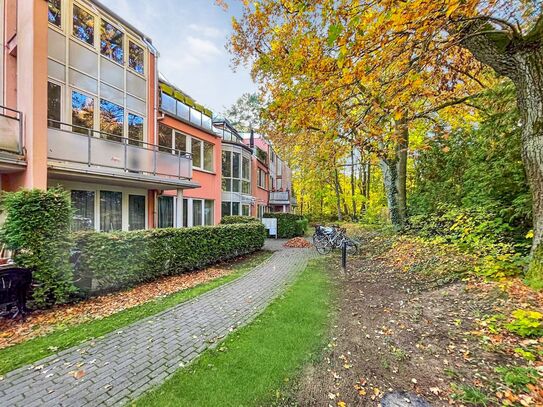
(121, 259)
(37, 228)
(229, 220)
(288, 224)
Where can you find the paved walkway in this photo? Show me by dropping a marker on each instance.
(124, 364)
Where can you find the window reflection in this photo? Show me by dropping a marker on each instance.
(135, 129)
(196, 153)
(180, 142)
(111, 42)
(53, 104)
(164, 138)
(111, 215)
(208, 156)
(54, 12)
(111, 120)
(83, 206)
(135, 57)
(82, 112)
(136, 212)
(83, 25)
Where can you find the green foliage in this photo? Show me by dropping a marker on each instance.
(517, 378)
(469, 395)
(288, 224)
(525, 354)
(233, 219)
(37, 228)
(526, 323)
(121, 259)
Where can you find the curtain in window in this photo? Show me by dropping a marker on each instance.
(136, 212)
(111, 214)
(197, 212)
(83, 205)
(208, 212)
(165, 212)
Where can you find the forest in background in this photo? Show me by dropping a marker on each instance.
(422, 115)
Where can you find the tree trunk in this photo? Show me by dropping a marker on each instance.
(390, 181)
(353, 185)
(402, 148)
(529, 85)
(338, 195)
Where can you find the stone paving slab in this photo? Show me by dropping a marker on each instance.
(125, 363)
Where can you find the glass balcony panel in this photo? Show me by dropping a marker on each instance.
(9, 129)
(67, 146)
(167, 164)
(139, 159)
(107, 153)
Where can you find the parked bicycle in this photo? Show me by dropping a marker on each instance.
(327, 238)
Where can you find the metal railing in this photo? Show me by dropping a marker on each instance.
(81, 145)
(11, 130)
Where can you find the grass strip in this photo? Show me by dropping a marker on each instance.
(253, 365)
(35, 349)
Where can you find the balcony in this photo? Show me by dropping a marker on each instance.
(11, 141)
(280, 198)
(85, 153)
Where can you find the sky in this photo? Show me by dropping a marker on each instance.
(190, 36)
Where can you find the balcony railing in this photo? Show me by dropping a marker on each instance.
(11, 130)
(73, 144)
(280, 198)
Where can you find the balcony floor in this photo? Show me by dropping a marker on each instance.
(81, 172)
(11, 162)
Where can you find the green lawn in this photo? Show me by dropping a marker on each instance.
(38, 348)
(253, 365)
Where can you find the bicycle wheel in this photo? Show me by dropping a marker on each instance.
(323, 246)
(352, 247)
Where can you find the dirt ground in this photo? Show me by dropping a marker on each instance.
(409, 319)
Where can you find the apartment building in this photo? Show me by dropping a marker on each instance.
(82, 106)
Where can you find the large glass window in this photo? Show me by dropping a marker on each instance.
(136, 58)
(245, 187)
(235, 208)
(136, 212)
(83, 206)
(209, 212)
(111, 212)
(111, 42)
(235, 165)
(226, 164)
(165, 212)
(196, 153)
(245, 209)
(197, 212)
(135, 129)
(185, 212)
(54, 13)
(261, 179)
(83, 25)
(82, 112)
(164, 138)
(225, 209)
(180, 141)
(54, 92)
(227, 184)
(208, 156)
(111, 120)
(195, 117)
(245, 167)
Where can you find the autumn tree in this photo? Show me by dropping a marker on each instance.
(245, 113)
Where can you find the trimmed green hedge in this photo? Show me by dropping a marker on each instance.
(37, 228)
(121, 259)
(289, 225)
(233, 219)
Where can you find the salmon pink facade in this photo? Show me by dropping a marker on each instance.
(82, 106)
